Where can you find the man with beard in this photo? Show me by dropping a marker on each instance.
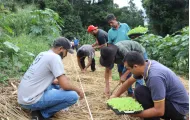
(100, 35)
(44, 88)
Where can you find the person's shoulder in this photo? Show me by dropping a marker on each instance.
(52, 55)
(101, 30)
(102, 33)
(157, 69)
(124, 24)
(119, 44)
(110, 30)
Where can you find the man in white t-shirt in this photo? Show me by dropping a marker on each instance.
(44, 88)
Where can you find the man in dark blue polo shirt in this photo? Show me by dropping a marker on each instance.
(164, 96)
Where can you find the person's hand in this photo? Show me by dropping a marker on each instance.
(123, 78)
(55, 82)
(80, 93)
(121, 82)
(107, 92)
(84, 70)
(113, 96)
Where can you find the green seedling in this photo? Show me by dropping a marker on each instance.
(138, 29)
(125, 104)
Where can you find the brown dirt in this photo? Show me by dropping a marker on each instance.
(93, 84)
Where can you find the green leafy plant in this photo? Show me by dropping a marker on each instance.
(138, 29)
(125, 104)
(170, 50)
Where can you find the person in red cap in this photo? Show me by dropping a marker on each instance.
(100, 35)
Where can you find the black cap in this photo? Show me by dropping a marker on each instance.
(81, 53)
(108, 54)
(64, 42)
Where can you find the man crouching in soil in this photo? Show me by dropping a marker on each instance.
(39, 92)
(164, 96)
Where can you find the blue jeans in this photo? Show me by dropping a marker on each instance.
(53, 100)
(138, 81)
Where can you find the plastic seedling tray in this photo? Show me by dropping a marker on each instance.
(123, 112)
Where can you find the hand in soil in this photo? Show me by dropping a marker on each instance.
(84, 70)
(107, 92)
(113, 96)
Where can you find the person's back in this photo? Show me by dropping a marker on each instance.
(173, 90)
(76, 42)
(128, 45)
(102, 36)
(38, 77)
(88, 50)
(83, 52)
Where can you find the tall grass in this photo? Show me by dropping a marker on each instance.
(23, 35)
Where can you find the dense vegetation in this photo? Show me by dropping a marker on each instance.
(29, 27)
(167, 16)
(172, 50)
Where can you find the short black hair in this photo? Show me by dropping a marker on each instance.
(110, 17)
(80, 53)
(132, 58)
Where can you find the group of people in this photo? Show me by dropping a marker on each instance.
(44, 89)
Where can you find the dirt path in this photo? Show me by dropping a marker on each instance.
(93, 84)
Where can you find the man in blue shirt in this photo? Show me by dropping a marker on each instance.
(76, 43)
(164, 96)
(118, 32)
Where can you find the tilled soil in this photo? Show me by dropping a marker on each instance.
(93, 85)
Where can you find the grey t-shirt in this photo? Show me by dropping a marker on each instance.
(44, 69)
(164, 84)
(88, 50)
(127, 46)
(102, 37)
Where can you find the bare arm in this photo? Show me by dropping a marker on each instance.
(100, 46)
(124, 76)
(89, 63)
(157, 110)
(66, 85)
(107, 75)
(96, 43)
(124, 86)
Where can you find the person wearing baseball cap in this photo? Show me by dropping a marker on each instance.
(111, 54)
(100, 35)
(44, 89)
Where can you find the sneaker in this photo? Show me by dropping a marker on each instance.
(36, 115)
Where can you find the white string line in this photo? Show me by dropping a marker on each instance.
(90, 113)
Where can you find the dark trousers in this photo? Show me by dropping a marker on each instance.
(82, 61)
(143, 96)
(76, 47)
